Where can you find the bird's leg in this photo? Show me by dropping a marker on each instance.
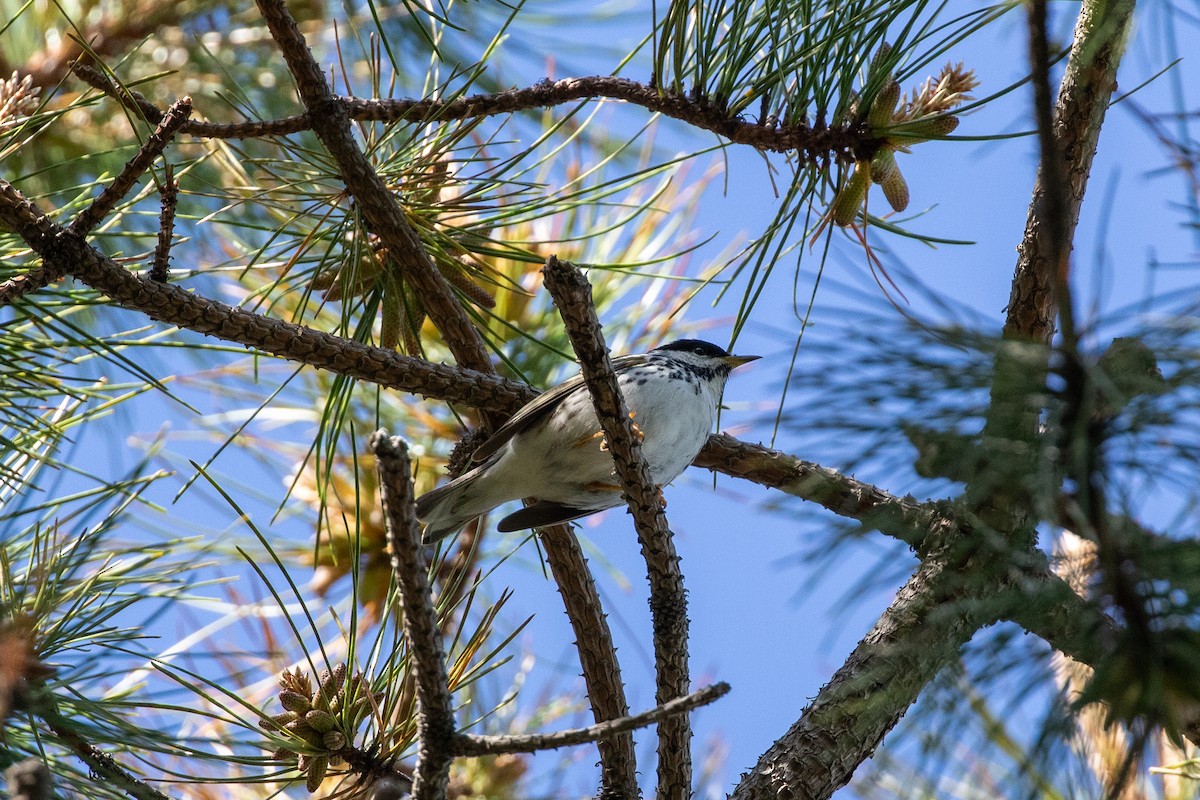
(586, 440)
(637, 432)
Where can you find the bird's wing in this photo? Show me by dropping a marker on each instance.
(536, 409)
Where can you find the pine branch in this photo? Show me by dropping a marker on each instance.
(165, 130)
(153, 147)
(1083, 99)
(494, 745)
(435, 712)
(1012, 423)
(919, 633)
(597, 658)
(137, 103)
(846, 142)
(160, 265)
(668, 599)
(103, 766)
(376, 203)
(64, 251)
(900, 517)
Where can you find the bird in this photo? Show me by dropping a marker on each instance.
(553, 449)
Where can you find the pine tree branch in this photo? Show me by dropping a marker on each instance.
(1083, 98)
(436, 730)
(168, 191)
(597, 658)
(137, 103)
(1045, 605)
(903, 518)
(813, 143)
(1001, 498)
(843, 143)
(378, 206)
(151, 149)
(668, 598)
(469, 745)
(912, 641)
(64, 251)
(103, 766)
(167, 126)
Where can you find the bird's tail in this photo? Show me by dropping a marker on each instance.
(446, 509)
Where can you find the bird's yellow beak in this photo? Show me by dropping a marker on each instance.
(737, 361)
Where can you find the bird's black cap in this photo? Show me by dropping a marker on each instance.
(697, 346)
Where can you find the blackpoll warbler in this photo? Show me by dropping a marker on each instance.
(553, 450)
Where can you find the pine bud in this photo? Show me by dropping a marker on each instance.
(883, 165)
(883, 107)
(895, 189)
(317, 767)
(320, 721)
(850, 198)
(294, 701)
(923, 128)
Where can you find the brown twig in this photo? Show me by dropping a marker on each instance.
(131, 100)
(378, 206)
(846, 143)
(160, 267)
(435, 711)
(102, 765)
(901, 517)
(72, 255)
(16, 288)
(597, 657)
(138, 104)
(468, 745)
(668, 599)
(153, 147)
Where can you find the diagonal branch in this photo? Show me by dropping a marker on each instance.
(1012, 424)
(153, 147)
(668, 599)
(102, 765)
(597, 658)
(900, 517)
(435, 713)
(1083, 98)
(378, 206)
(70, 254)
(912, 641)
(102, 206)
